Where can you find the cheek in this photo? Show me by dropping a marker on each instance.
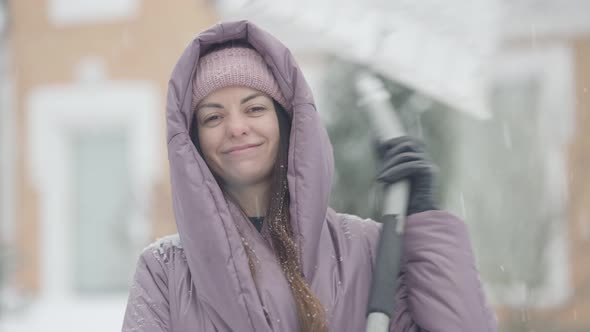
(208, 143)
(273, 131)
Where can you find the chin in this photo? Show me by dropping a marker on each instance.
(244, 178)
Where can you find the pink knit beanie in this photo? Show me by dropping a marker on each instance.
(234, 66)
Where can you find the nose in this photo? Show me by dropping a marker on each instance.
(237, 125)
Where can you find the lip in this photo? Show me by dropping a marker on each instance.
(241, 148)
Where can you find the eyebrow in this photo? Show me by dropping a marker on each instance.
(244, 100)
(214, 105)
(250, 97)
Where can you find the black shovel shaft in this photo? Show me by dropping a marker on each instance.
(385, 280)
(386, 125)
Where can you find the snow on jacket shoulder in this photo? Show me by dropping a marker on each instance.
(148, 306)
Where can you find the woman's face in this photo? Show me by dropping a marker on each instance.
(238, 135)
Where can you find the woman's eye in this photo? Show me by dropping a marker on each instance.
(256, 109)
(212, 118)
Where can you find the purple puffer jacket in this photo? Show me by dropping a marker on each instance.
(200, 280)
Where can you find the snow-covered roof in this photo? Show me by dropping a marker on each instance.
(532, 18)
(441, 49)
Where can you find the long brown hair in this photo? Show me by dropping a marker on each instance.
(310, 311)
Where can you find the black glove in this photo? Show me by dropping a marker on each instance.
(405, 157)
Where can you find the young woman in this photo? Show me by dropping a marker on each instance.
(258, 248)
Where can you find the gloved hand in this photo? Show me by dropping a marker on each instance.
(405, 157)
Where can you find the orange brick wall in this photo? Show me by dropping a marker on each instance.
(143, 48)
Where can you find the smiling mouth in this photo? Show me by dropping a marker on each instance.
(242, 148)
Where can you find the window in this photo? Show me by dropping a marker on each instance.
(93, 159)
(102, 256)
(507, 176)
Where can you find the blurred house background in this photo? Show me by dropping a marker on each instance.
(497, 89)
(85, 180)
